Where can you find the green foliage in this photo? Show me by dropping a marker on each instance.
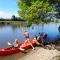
(34, 11)
(56, 4)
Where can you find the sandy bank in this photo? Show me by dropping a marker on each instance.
(40, 54)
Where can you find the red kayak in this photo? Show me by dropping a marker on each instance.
(9, 51)
(27, 45)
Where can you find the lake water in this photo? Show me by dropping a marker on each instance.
(11, 32)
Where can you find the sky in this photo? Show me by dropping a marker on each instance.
(8, 8)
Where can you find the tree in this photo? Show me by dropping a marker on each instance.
(34, 11)
(13, 18)
(56, 4)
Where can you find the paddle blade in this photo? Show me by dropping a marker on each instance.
(9, 43)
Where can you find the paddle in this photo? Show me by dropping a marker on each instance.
(9, 43)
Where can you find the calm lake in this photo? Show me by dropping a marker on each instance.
(11, 32)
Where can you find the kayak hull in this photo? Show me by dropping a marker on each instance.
(8, 51)
(27, 45)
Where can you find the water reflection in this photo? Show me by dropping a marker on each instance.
(11, 32)
(17, 56)
(59, 29)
